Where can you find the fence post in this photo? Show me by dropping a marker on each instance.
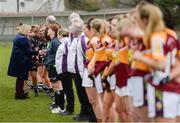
(13, 29)
(32, 19)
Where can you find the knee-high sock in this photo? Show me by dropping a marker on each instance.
(59, 99)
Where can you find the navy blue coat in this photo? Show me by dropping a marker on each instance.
(21, 57)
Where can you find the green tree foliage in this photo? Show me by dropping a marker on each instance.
(87, 5)
(168, 3)
(114, 3)
(171, 9)
(91, 5)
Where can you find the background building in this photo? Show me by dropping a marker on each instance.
(12, 6)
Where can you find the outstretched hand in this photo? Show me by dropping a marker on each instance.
(91, 68)
(42, 52)
(137, 55)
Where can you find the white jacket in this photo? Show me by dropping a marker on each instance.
(81, 53)
(61, 56)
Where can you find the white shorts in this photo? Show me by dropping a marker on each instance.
(136, 90)
(178, 114)
(98, 84)
(86, 81)
(171, 103)
(122, 91)
(112, 81)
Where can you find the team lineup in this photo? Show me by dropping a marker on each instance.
(125, 68)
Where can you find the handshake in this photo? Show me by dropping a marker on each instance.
(42, 52)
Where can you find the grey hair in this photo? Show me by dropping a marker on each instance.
(50, 19)
(77, 25)
(72, 16)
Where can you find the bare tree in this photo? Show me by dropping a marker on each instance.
(17, 5)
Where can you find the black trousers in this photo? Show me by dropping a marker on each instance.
(82, 96)
(68, 90)
(19, 87)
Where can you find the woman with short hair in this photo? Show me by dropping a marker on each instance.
(50, 66)
(20, 61)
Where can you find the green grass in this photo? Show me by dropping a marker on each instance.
(33, 109)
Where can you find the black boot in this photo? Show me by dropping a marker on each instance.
(36, 91)
(20, 97)
(44, 88)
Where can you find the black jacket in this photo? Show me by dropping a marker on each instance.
(51, 51)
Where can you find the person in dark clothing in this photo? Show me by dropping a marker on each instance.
(20, 61)
(43, 79)
(50, 65)
(34, 44)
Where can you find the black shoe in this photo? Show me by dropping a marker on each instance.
(36, 92)
(80, 117)
(20, 97)
(66, 113)
(45, 89)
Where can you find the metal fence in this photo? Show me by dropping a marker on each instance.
(8, 23)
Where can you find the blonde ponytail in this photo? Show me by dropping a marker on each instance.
(99, 26)
(155, 21)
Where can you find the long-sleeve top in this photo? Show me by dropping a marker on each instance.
(51, 51)
(81, 53)
(61, 56)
